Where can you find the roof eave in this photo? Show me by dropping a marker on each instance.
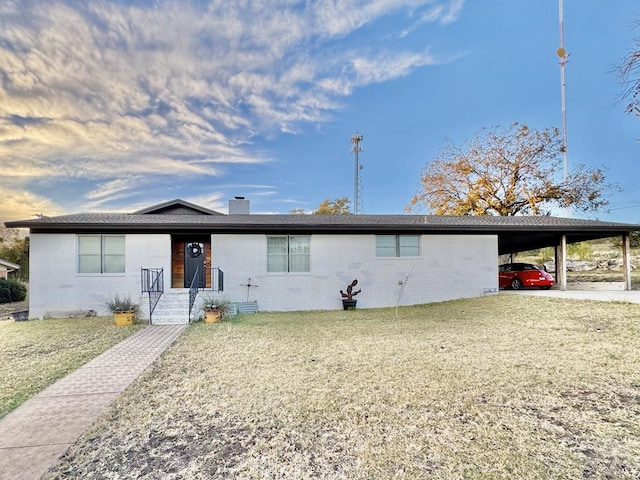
(10, 265)
(42, 227)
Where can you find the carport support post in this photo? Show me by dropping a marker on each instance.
(626, 259)
(561, 263)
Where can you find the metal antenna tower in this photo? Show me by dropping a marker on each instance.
(356, 138)
(562, 53)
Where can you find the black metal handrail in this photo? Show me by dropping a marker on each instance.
(152, 281)
(193, 292)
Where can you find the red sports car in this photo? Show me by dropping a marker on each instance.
(518, 275)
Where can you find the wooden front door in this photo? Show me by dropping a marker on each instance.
(188, 253)
(194, 264)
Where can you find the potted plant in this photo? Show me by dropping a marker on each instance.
(124, 309)
(215, 308)
(348, 302)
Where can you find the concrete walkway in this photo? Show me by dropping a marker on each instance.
(626, 296)
(34, 435)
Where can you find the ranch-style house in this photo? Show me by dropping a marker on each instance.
(280, 262)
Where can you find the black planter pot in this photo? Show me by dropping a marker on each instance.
(349, 304)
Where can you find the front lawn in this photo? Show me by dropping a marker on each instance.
(505, 386)
(36, 353)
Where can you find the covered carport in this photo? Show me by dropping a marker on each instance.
(539, 232)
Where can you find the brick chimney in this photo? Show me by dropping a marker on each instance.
(238, 206)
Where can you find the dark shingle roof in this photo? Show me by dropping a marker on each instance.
(320, 223)
(180, 217)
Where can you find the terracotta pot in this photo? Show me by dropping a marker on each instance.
(212, 316)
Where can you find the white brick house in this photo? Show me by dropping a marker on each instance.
(283, 262)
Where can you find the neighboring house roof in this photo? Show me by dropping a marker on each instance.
(516, 233)
(9, 265)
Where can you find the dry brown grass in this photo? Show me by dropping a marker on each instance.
(36, 353)
(496, 387)
(604, 276)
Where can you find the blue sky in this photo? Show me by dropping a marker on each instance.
(117, 105)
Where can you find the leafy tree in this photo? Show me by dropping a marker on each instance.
(7, 235)
(17, 252)
(507, 172)
(338, 206)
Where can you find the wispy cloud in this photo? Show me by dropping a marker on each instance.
(16, 205)
(452, 11)
(115, 92)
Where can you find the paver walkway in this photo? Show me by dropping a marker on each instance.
(35, 434)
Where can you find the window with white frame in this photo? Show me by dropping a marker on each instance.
(100, 253)
(288, 253)
(397, 245)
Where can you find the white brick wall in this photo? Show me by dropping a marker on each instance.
(449, 267)
(55, 285)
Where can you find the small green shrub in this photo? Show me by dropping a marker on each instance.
(545, 255)
(12, 291)
(634, 240)
(580, 251)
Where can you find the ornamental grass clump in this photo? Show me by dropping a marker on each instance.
(215, 303)
(121, 304)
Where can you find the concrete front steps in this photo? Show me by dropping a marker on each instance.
(172, 309)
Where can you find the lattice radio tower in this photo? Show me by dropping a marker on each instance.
(356, 138)
(562, 53)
